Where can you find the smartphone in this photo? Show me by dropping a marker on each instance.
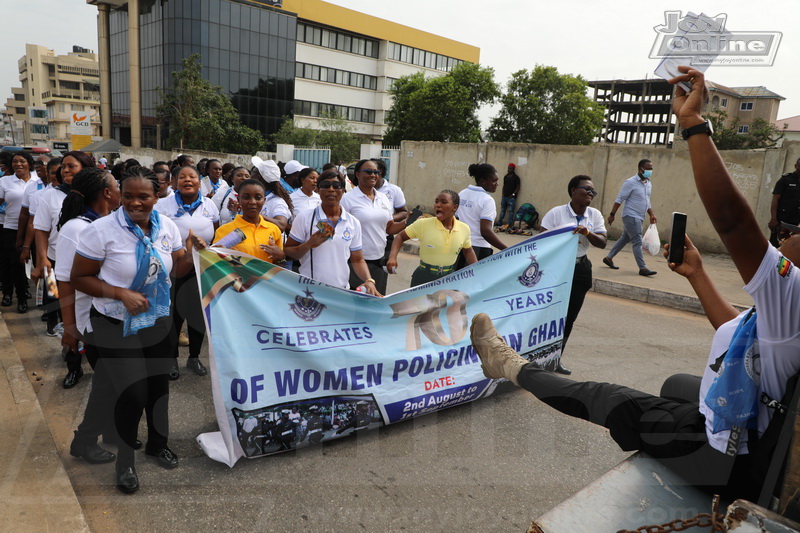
(677, 239)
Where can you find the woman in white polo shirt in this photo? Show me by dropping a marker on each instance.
(324, 238)
(123, 262)
(278, 205)
(376, 213)
(192, 212)
(478, 211)
(306, 196)
(11, 190)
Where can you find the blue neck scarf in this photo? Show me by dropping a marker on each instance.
(184, 208)
(151, 278)
(90, 214)
(733, 396)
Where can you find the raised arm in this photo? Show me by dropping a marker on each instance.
(726, 207)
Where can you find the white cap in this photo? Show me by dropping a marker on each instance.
(268, 169)
(293, 166)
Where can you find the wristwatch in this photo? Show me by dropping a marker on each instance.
(703, 127)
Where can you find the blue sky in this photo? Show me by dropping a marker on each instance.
(596, 40)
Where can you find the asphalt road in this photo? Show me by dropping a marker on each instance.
(492, 465)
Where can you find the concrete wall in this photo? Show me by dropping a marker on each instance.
(428, 167)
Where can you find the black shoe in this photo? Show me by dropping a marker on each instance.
(646, 272)
(44, 317)
(610, 264)
(127, 480)
(72, 378)
(91, 453)
(175, 373)
(194, 364)
(6, 300)
(22, 307)
(165, 457)
(561, 369)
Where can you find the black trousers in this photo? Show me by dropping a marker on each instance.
(581, 283)
(376, 272)
(187, 306)
(13, 272)
(480, 251)
(98, 417)
(671, 431)
(136, 369)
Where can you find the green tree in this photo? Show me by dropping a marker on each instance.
(335, 133)
(442, 108)
(201, 117)
(760, 134)
(543, 106)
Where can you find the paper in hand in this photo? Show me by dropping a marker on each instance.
(683, 48)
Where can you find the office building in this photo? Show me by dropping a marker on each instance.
(53, 88)
(301, 58)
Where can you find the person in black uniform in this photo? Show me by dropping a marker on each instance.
(317, 425)
(785, 202)
(360, 420)
(283, 432)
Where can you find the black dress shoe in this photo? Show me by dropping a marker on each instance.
(610, 264)
(91, 453)
(127, 480)
(194, 364)
(165, 457)
(72, 378)
(22, 307)
(6, 300)
(175, 373)
(646, 272)
(561, 369)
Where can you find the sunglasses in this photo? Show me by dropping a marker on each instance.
(591, 191)
(336, 185)
(371, 171)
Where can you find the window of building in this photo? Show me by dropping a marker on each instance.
(19, 97)
(317, 109)
(40, 129)
(71, 85)
(746, 106)
(724, 102)
(332, 75)
(337, 40)
(61, 108)
(38, 113)
(20, 110)
(743, 129)
(78, 107)
(422, 58)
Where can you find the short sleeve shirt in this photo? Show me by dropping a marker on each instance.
(34, 185)
(394, 194)
(788, 187)
(439, 246)
(201, 221)
(109, 241)
(47, 214)
(563, 216)
(12, 190)
(476, 205)
(256, 235)
(328, 261)
(65, 256)
(301, 202)
(206, 186)
(275, 206)
(374, 215)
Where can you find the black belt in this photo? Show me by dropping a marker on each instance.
(441, 270)
(581, 260)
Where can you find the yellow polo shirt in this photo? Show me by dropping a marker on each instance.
(437, 245)
(256, 235)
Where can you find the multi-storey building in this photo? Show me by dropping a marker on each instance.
(301, 58)
(53, 88)
(743, 105)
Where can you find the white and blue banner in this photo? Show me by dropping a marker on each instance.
(296, 362)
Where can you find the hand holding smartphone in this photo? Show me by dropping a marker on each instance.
(677, 238)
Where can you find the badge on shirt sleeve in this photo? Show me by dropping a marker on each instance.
(784, 267)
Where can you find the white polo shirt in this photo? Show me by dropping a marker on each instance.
(11, 191)
(35, 197)
(46, 218)
(275, 206)
(373, 215)
(65, 255)
(222, 201)
(31, 188)
(395, 194)
(201, 222)
(109, 241)
(301, 202)
(206, 186)
(564, 216)
(329, 259)
(476, 205)
(775, 289)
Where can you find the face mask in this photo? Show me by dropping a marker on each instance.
(647, 173)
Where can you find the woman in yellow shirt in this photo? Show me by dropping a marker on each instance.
(262, 239)
(440, 239)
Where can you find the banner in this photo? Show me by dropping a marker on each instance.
(296, 362)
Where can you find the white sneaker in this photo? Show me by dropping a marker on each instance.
(498, 360)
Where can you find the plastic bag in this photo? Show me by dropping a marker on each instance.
(651, 243)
